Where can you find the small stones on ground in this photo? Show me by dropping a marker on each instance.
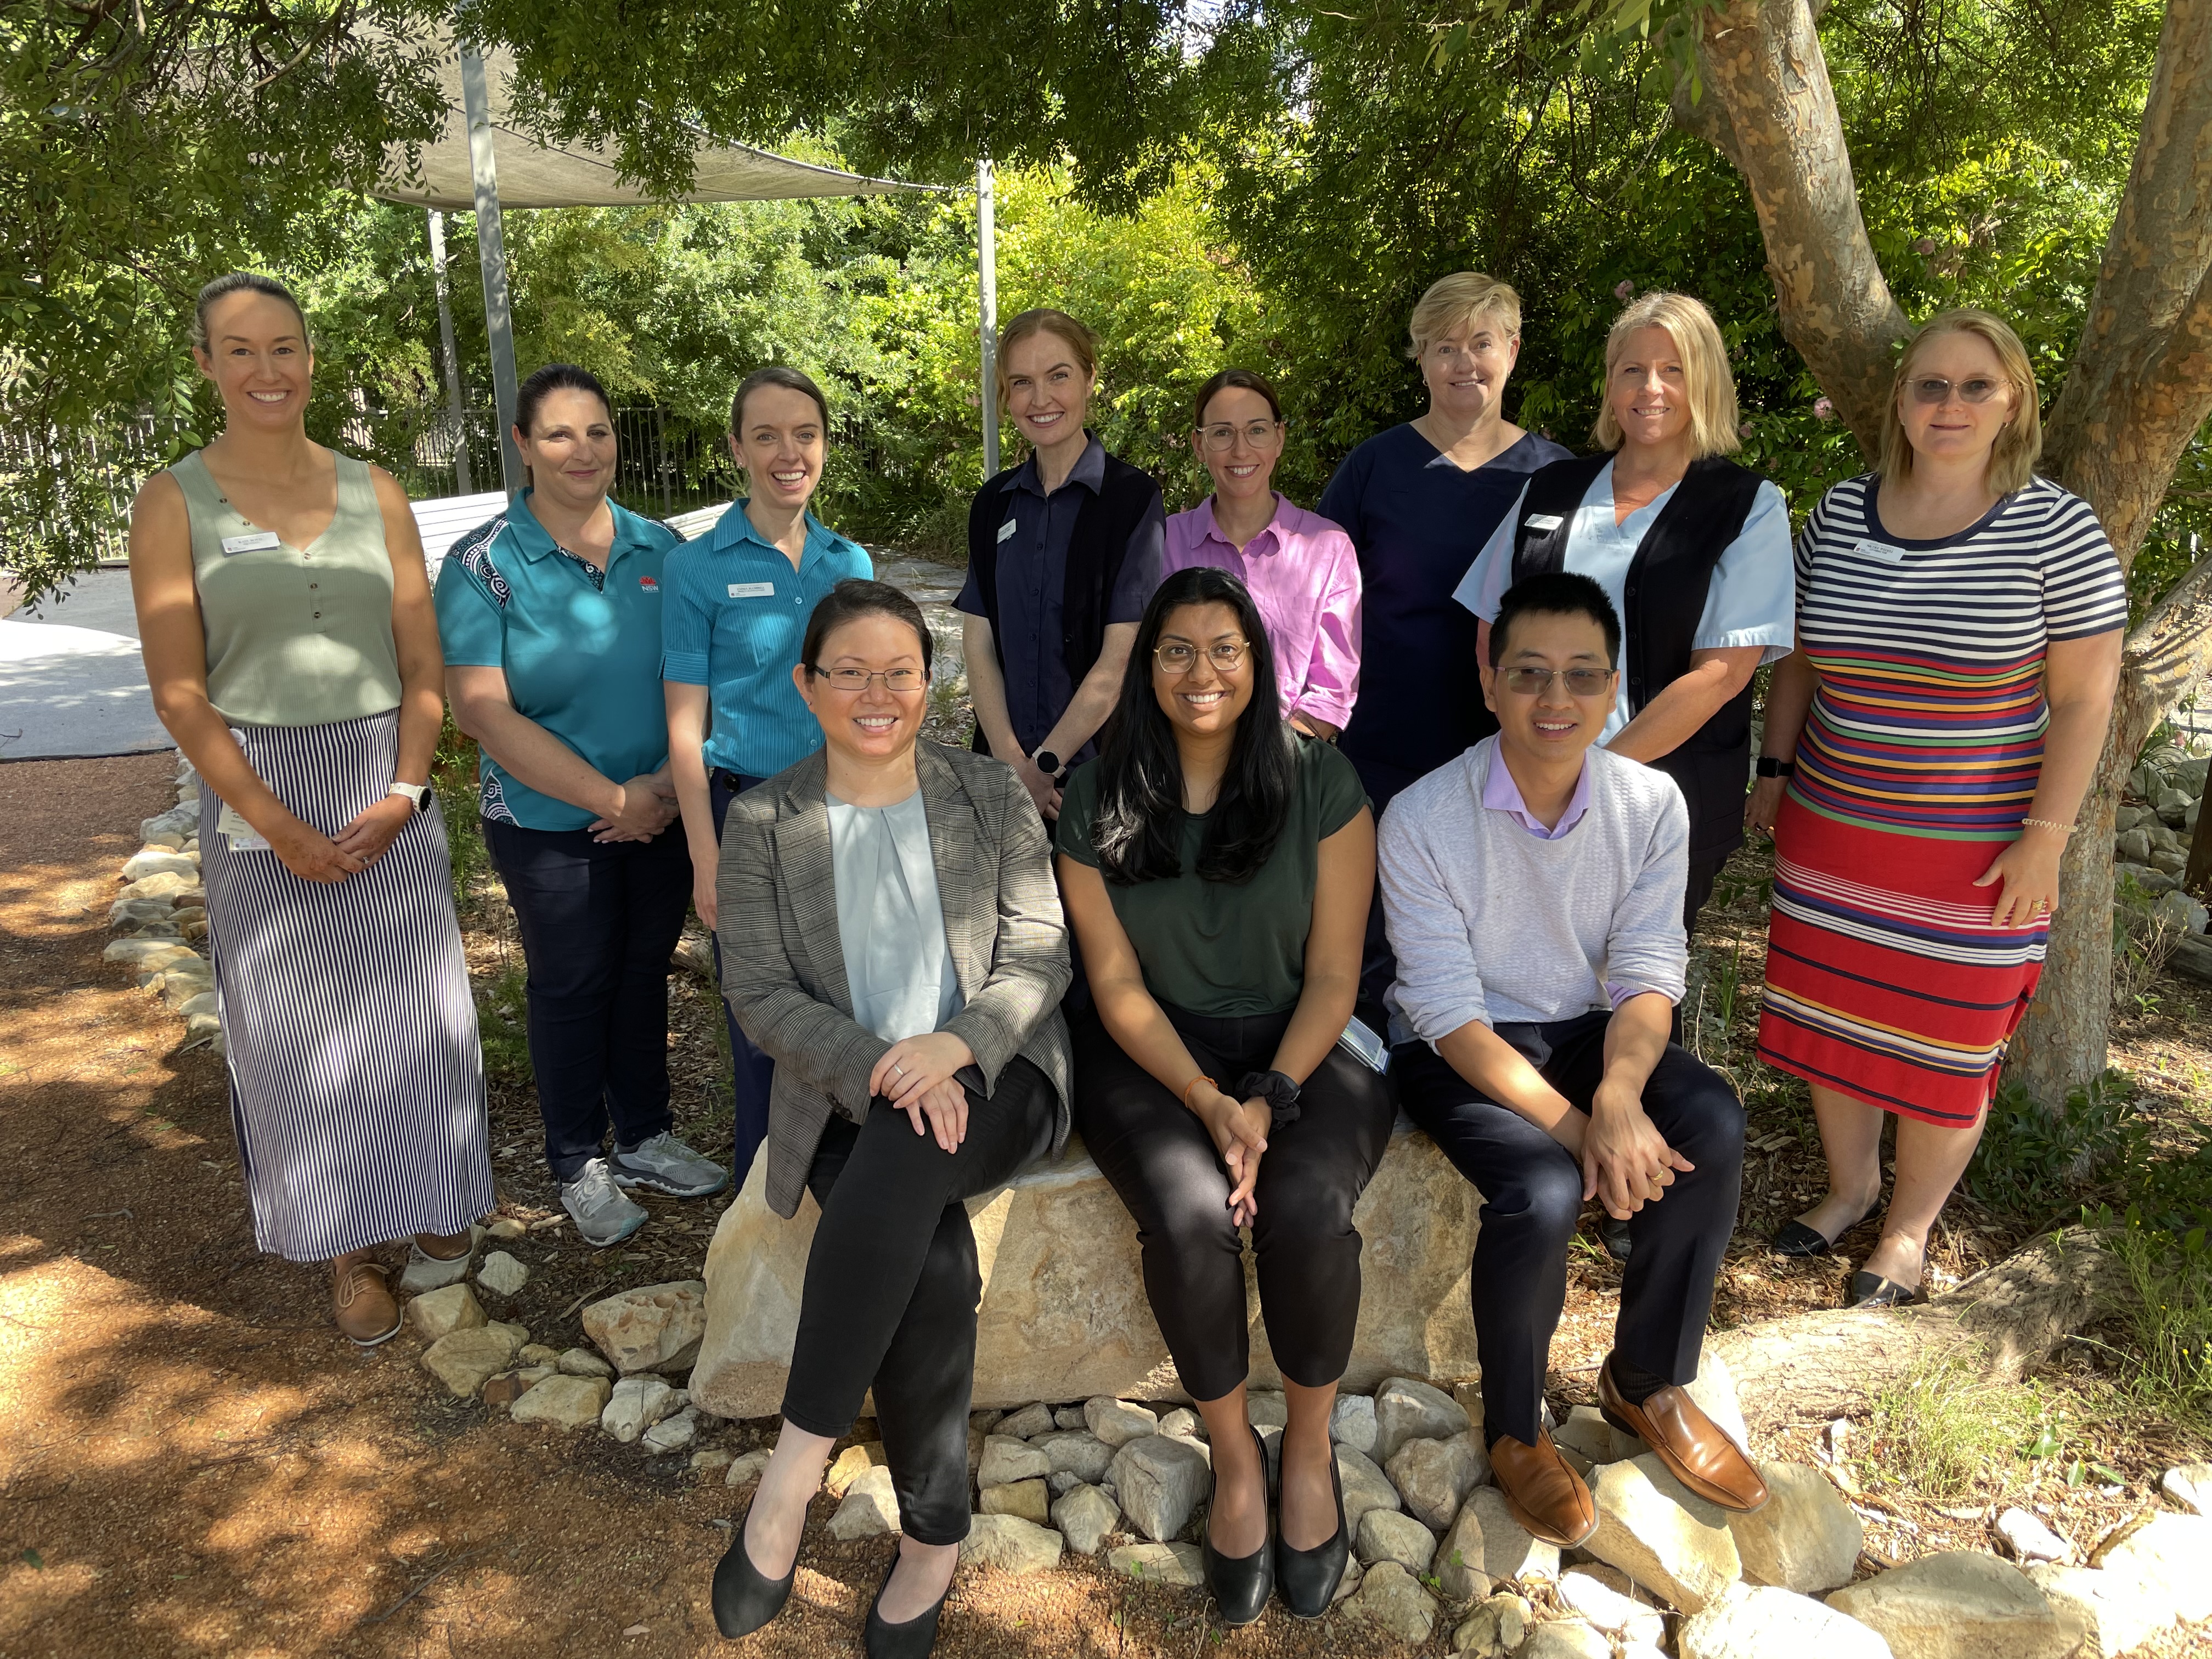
(1609, 1607)
(1086, 1517)
(635, 1404)
(502, 1274)
(1586, 1430)
(505, 1226)
(1348, 1585)
(1406, 1409)
(1030, 1499)
(582, 1362)
(1178, 1565)
(1486, 1545)
(1392, 1600)
(710, 1462)
(2115, 1613)
(1961, 1604)
(502, 1391)
(1352, 1423)
(2189, 1484)
(1754, 1621)
(566, 1402)
(1566, 1639)
(671, 1434)
(1183, 1421)
(1159, 1480)
(2168, 1558)
(1267, 1409)
(984, 1422)
(2029, 1540)
(1805, 1538)
(1365, 1486)
(1012, 1544)
(1117, 1422)
(1387, 1535)
(1661, 1534)
(1068, 1417)
(536, 1353)
(851, 1464)
(1063, 1481)
(870, 1507)
(437, 1313)
(1028, 1423)
(745, 1469)
(1435, 1476)
(1006, 1460)
(1077, 1452)
(655, 1328)
(1496, 1628)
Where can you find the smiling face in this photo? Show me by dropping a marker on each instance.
(1955, 429)
(569, 448)
(1048, 389)
(257, 354)
(1647, 388)
(874, 723)
(781, 444)
(1555, 721)
(1207, 699)
(1466, 370)
(1246, 469)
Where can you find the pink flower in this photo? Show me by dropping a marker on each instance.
(1823, 410)
(1623, 289)
(1743, 429)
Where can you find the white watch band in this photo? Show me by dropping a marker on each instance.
(415, 794)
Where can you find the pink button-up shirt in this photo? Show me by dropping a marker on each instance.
(1304, 574)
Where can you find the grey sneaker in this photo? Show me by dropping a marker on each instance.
(604, 1214)
(666, 1165)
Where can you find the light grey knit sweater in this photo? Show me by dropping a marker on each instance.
(1493, 923)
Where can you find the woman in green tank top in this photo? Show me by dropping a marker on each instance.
(292, 648)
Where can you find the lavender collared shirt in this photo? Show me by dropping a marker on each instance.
(1501, 795)
(1303, 574)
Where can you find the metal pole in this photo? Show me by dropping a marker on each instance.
(986, 274)
(459, 413)
(491, 254)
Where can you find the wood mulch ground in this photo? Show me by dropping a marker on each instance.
(192, 1463)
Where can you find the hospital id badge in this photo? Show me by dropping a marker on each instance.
(243, 837)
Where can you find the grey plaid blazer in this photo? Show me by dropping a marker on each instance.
(783, 964)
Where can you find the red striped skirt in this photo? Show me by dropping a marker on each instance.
(1884, 978)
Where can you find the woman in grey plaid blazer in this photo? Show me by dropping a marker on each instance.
(891, 938)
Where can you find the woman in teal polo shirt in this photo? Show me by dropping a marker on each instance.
(549, 616)
(735, 620)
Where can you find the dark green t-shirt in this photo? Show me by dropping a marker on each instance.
(1221, 948)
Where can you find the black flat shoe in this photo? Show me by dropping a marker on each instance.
(1308, 1578)
(1613, 1233)
(1242, 1584)
(911, 1640)
(744, 1597)
(1795, 1238)
(1873, 1290)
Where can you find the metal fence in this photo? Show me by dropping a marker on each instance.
(95, 476)
(663, 464)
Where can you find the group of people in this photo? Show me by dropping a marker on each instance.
(1276, 823)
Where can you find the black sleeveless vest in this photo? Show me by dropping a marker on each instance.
(1662, 599)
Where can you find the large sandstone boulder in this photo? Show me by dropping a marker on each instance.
(1760, 1622)
(1064, 1314)
(1961, 1604)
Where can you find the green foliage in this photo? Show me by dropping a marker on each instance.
(2167, 1364)
(1945, 1428)
(2030, 1159)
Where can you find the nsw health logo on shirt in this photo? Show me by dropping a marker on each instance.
(648, 584)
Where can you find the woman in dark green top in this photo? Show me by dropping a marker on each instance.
(1217, 868)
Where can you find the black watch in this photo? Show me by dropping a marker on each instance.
(1047, 762)
(1276, 1090)
(1769, 767)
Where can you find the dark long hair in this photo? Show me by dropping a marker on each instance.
(1138, 830)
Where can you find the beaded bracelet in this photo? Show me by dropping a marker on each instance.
(1192, 1083)
(2050, 823)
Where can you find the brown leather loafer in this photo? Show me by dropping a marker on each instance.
(363, 1303)
(1696, 1451)
(1542, 1490)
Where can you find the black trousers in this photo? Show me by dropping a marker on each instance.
(1532, 1190)
(598, 921)
(1162, 1162)
(752, 1073)
(892, 1283)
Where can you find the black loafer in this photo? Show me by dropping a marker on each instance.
(745, 1598)
(1241, 1585)
(1308, 1578)
(1795, 1238)
(1613, 1233)
(912, 1640)
(1873, 1290)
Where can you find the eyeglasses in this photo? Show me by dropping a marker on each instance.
(1223, 435)
(1530, 682)
(857, 680)
(1181, 659)
(1934, 390)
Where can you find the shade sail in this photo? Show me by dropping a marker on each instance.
(534, 174)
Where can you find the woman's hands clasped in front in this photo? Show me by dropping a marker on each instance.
(916, 1074)
(1239, 1129)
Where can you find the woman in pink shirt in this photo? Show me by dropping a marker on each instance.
(1302, 570)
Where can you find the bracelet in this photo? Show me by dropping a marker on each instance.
(1192, 1083)
(2050, 823)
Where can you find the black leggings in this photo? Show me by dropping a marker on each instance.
(1162, 1162)
(892, 1285)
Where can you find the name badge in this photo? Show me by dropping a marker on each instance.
(1006, 529)
(260, 541)
(1869, 549)
(1543, 521)
(752, 590)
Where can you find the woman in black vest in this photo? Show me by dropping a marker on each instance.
(1063, 551)
(1693, 549)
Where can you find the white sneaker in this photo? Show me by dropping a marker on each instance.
(666, 1165)
(603, 1215)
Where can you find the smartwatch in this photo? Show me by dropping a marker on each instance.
(417, 793)
(1048, 763)
(1769, 767)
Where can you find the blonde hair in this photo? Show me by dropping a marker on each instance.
(1457, 302)
(1707, 382)
(1043, 319)
(2019, 444)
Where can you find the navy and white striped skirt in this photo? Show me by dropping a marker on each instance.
(357, 1084)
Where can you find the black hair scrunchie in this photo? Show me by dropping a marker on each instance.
(1278, 1091)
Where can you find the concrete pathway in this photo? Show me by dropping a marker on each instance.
(71, 681)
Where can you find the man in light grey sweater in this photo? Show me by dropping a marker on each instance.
(1532, 890)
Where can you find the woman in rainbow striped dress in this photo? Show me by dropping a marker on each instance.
(1927, 747)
